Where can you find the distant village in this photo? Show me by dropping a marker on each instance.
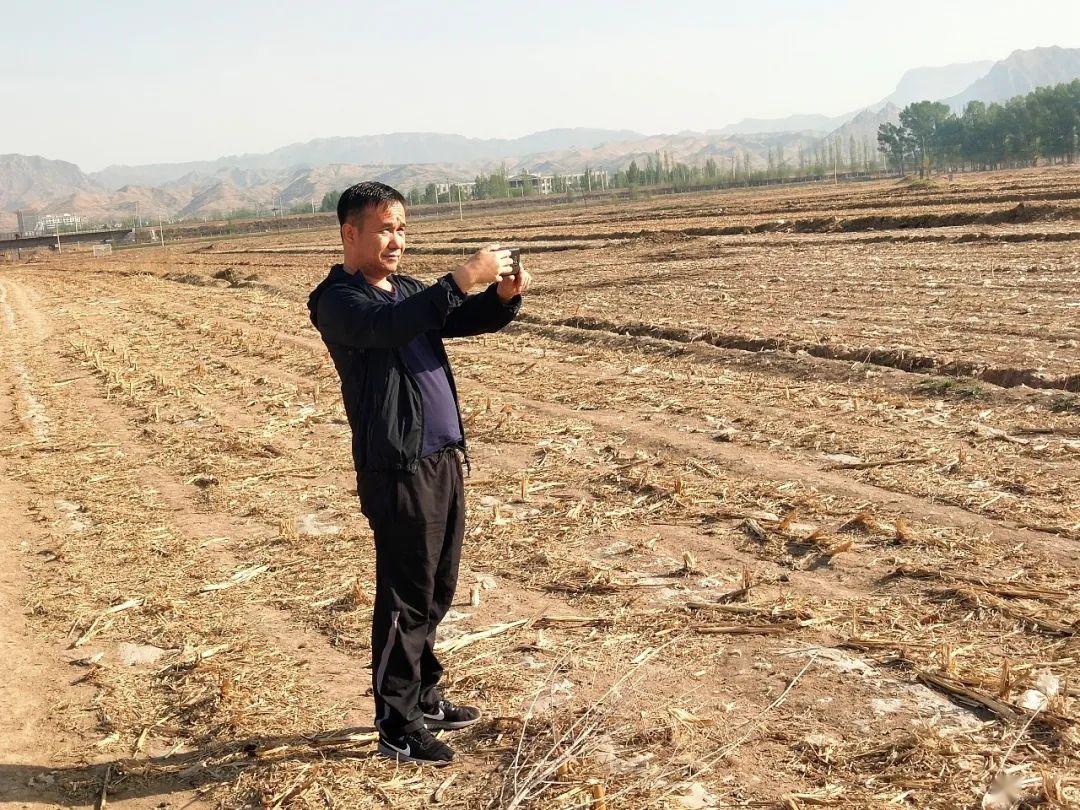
(529, 183)
(31, 223)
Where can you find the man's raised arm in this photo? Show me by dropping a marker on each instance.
(492, 309)
(347, 317)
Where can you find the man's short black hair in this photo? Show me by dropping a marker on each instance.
(370, 193)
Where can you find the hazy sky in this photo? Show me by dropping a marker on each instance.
(120, 82)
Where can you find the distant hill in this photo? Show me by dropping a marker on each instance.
(791, 123)
(935, 82)
(1021, 73)
(120, 205)
(226, 190)
(914, 85)
(986, 80)
(242, 178)
(212, 188)
(692, 148)
(865, 124)
(221, 196)
(27, 181)
(393, 148)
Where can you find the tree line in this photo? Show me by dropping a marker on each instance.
(827, 157)
(1044, 124)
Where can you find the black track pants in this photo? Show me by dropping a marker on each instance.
(418, 520)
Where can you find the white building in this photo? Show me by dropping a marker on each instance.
(450, 190)
(540, 184)
(545, 184)
(596, 181)
(57, 222)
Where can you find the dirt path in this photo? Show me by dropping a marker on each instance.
(46, 715)
(35, 690)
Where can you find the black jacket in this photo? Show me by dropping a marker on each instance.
(364, 334)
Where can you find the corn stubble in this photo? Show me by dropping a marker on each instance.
(732, 554)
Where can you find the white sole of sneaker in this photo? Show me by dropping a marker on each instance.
(447, 726)
(443, 725)
(390, 753)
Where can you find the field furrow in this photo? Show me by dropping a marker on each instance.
(774, 501)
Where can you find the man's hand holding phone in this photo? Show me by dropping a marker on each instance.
(517, 281)
(495, 264)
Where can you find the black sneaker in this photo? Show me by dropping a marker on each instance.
(418, 746)
(449, 716)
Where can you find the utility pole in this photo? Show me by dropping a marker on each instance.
(56, 229)
(312, 205)
(460, 208)
(161, 230)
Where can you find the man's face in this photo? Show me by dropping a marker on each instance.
(376, 242)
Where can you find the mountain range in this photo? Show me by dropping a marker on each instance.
(914, 85)
(396, 148)
(1021, 73)
(300, 172)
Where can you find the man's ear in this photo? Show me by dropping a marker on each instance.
(348, 233)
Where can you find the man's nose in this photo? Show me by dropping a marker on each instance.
(397, 240)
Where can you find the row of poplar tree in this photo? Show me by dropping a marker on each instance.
(660, 169)
(1044, 124)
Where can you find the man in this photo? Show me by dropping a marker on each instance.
(384, 332)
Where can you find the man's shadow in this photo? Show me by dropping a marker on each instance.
(137, 777)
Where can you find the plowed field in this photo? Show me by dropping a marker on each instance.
(775, 502)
